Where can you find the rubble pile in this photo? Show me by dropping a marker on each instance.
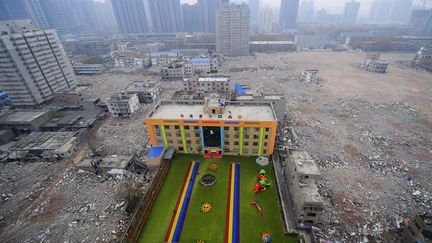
(80, 207)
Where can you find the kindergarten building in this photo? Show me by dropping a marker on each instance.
(214, 126)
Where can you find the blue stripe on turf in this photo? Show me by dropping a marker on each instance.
(182, 216)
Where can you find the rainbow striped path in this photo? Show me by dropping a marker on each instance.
(179, 215)
(232, 225)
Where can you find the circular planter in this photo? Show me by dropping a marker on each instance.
(208, 179)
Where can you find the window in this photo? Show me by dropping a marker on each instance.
(180, 148)
(266, 136)
(226, 135)
(254, 151)
(265, 143)
(168, 134)
(236, 143)
(267, 129)
(246, 129)
(264, 151)
(255, 143)
(246, 143)
(226, 143)
(196, 128)
(188, 141)
(255, 136)
(179, 141)
(186, 127)
(311, 214)
(166, 126)
(246, 136)
(236, 151)
(256, 129)
(160, 141)
(226, 128)
(236, 136)
(227, 150)
(236, 128)
(197, 134)
(245, 151)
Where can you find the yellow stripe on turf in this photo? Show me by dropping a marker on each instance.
(230, 230)
(180, 205)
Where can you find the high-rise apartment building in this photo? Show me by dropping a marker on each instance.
(400, 11)
(380, 11)
(207, 14)
(306, 12)
(254, 6)
(105, 15)
(350, 12)
(33, 64)
(190, 16)
(265, 24)
(130, 16)
(166, 16)
(421, 20)
(22, 9)
(60, 16)
(232, 29)
(288, 14)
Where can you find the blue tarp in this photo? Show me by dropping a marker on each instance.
(155, 152)
(239, 89)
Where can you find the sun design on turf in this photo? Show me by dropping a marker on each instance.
(206, 207)
(199, 241)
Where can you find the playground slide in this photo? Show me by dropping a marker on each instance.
(179, 214)
(232, 225)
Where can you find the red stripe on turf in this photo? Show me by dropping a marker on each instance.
(227, 220)
(178, 201)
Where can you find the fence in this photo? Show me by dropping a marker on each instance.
(143, 210)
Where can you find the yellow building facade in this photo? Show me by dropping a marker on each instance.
(213, 126)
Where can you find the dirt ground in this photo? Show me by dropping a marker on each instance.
(368, 132)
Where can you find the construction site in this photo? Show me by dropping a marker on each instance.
(368, 132)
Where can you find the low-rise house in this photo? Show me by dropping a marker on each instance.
(211, 83)
(301, 173)
(123, 105)
(148, 92)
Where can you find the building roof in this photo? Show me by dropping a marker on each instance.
(155, 152)
(44, 141)
(198, 60)
(304, 164)
(270, 42)
(214, 78)
(249, 111)
(22, 117)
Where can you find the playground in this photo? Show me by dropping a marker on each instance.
(213, 200)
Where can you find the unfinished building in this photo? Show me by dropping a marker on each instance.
(310, 76)
(147, 92)
(24, 121)
(373, 64)
(301, 172)
(214, 83)
(123, 105)
(423, 59)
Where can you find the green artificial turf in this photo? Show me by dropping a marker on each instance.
(210, 227)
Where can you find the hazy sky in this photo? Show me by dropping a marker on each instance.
(332, 6)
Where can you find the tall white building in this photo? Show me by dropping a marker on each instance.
(33, 64)
(265, 20)
(232, 30)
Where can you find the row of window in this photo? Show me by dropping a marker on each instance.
(245, 129)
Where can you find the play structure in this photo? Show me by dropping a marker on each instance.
(263, 161)
(262, 184)
(258, 207)
(266, 238)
